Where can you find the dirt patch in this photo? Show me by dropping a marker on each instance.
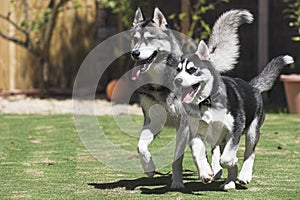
(26, 105)
(296, 119)
(20, 194)
(85, 157)
(35, 172)
(270, 152)
(42, 161)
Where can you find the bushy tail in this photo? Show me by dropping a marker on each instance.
(265, 80)
(224, 41)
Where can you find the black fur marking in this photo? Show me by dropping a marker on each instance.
(213, 50)
(242, 98)
(171, 61)
(205, 102)
(150, 90)
(191, 70)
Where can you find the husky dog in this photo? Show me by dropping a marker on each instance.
(219, 109)
(156, 52)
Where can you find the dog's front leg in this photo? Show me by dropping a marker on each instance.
(215, 162)
(198, 148)
(155, 117)
(199, 155)
(181, 141)
(145, 140)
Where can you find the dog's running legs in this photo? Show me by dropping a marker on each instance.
(181, 141)
(200, 159)
(155, 118)
(146, 138)
(231, 178)
(229, 160)
(215, 162)
(252, 137)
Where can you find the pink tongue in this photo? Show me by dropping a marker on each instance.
(135, 73)
(187, 99)
(187, 95)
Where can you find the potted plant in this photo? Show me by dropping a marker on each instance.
(292, 81)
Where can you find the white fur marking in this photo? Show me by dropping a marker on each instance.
(145, 156)
(288, 59)
(245, 175)
(145, 52)
(137, 35)
(199, 156)
(179, 66)
(190, 65)
(248, 16)
(148, 35)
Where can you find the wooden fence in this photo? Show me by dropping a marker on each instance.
(78, 31)
(73, 37)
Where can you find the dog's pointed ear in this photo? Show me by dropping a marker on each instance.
(139, 16)
(159, 18)
(202, 51)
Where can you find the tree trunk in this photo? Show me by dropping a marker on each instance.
(44, 68)
(185, 22)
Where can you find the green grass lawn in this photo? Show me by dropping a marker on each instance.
(42, 157)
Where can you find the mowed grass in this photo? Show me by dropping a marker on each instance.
(42, 157)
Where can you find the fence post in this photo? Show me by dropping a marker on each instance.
(263, 29)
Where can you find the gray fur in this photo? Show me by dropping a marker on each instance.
(265, 80)
(166, 54)
(224, 50)
(240, 105)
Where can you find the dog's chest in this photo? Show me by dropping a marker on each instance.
(213, 124)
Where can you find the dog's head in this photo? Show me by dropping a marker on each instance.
(149, 39)
(195, 76)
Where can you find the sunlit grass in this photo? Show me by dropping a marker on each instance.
(42, 157)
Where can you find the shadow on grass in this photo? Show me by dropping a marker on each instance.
(164, 183)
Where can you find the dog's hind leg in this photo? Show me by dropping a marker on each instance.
(231, 178)
(228, 157)
(252, 137)
(229, 160)
(215, 162)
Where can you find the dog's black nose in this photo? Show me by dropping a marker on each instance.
(135, 54)
(178, 81)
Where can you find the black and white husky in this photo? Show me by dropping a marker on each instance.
(219, 109)
(156, 51)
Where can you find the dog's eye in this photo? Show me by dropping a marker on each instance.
(135, 39)
(191, 70)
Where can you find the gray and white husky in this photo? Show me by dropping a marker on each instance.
(156, 51)
(219, 109)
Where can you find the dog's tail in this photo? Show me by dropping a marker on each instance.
(224, 41)
(266, 79)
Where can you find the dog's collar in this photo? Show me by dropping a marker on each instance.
(205, 102)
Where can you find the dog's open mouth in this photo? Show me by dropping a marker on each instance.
(188, 93)
(142, 66)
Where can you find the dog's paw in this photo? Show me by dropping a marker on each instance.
(228, 185)
(206, 178)
(205, 172)
(218, 175)
(228, 162)
(177, 185)
(245, 178)
(245, 175)
(150, 174)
